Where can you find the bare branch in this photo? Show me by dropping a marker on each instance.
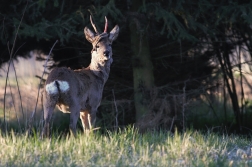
(116, 116)
(11, 55)
(34, 111)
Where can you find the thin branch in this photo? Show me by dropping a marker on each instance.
(11, 55)
(22, 110)
(116, 109)
(225, 100)
(184, 104)
(14, 106)
(241, 85)
(45, 65)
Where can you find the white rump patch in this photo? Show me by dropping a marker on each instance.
(63, 85)
(51, 88)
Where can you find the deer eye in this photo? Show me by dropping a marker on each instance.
(97, 46)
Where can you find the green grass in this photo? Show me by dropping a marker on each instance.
(126, 148)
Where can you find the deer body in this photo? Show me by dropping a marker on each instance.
(79, 92)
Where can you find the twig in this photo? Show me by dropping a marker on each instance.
(17, 83)
(11, 55)
(45, 65)
(225, 100)
(172, 123)
(180, 49)
(14, 106)
(211, 106)
(241, 85)
(184, 103)
(116, 116)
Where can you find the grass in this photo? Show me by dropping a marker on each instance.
(126, 148)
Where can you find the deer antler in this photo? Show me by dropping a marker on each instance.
(106, 24)
(93, 25)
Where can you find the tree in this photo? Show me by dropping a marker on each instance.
(141, 60)
(228, 30)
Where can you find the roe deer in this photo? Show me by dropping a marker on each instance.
(79, 92)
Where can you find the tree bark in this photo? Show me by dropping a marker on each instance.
(143, 77)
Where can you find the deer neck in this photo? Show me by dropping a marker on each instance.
(100, 69)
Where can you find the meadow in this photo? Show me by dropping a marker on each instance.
(127, 147)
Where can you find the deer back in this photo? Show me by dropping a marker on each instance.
(82, 85)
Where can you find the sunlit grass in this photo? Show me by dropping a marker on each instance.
(22, 81)
(126, 148)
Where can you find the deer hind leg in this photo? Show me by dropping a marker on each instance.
(49, 103)
(74, 116)
(86, 121)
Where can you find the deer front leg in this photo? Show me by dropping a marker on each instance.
(88, 120)
(85, 120)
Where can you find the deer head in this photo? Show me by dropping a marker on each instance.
(101, 41)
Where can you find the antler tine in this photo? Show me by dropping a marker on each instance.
(93, 25)
(106, 24)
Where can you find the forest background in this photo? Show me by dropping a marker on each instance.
(177, 64)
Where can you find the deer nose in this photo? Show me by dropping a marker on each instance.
(106, 53)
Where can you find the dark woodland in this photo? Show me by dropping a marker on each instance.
(170, 56)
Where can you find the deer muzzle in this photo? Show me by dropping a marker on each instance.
(106, 53)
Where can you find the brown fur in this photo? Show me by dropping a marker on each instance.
(84, 94)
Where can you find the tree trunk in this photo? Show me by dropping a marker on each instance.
(142, 65)
(226, 68)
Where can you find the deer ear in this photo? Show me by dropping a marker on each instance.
(114, 33)
(90, 36)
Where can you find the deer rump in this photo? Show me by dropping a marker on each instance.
(66, 84)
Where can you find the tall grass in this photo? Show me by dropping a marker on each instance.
(126, 148)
